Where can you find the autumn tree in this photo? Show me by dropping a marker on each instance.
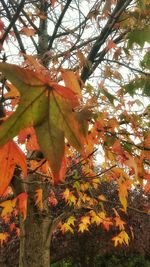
(73, 112)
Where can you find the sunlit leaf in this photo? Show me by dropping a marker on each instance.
(121, 238)
(8, 206)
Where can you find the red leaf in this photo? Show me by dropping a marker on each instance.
(1, 25)
(111, 45)
(12, 226)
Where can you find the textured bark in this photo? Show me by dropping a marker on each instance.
(35, 231)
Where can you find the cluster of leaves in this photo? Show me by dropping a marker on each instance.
(96, 241)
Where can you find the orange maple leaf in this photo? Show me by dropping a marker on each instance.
(124, 186)
(10, 156)
(28, 31)
(39, 198)
(65, 227)
(119, 223)
(22, 204)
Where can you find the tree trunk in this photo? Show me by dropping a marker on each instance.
(36, 230)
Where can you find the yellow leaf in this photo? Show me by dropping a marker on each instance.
(85, 219)
(3, 237)
(83, 227)
(85, 186)
(96, 182)
(65, 194)
(117, 240)
(95, 218)
(8, 206)
(71, 220)
(69, 197)
(72, 199)
(121, 238)
(65, 228)
(124, 236)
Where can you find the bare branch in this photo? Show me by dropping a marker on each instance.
(12, 20)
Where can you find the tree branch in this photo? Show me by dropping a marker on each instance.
(108, 28)
(127, 66)
(58, 24)
(12, 20)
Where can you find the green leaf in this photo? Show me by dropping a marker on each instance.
(139, 37)
(51, 141)
(33, 106)
(142, 83)
(145, 63)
